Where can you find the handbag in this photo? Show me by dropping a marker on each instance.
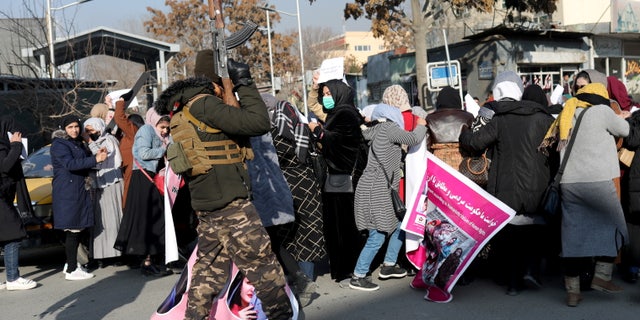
(338, 183)
(157, 180)
(626, 156)
(476, 169)
(319, 165)
(551, 204)
(399, 207)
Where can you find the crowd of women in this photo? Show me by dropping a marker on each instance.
(528, 141)
(531, 143)
(104, 194)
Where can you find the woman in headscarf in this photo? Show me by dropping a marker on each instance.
(373, 207)
(518, 176)
(304, 241)
(107, 183)
(11, 228)
(128, 125)
(396, 96)
(142, 229)
(341, 145)
(72, 209)
(592, 218)
(444, 127)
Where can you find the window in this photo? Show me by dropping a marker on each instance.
(363, 48)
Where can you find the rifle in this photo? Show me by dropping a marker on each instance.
(222, 44)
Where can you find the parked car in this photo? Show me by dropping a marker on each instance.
(38, 173)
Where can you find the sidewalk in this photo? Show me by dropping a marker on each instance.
(120, 293)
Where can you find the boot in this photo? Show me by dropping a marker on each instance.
(305, 288)
(602, 278)
(572, 284)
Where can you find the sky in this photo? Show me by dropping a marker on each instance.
(119, 14)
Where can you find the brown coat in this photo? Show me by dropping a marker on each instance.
(126, 144)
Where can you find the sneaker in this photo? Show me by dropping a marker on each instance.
(79, 266)
(437, 295)
(363, 284)
(2, 285)
(78, 274)
(394, 271)
(21, 284)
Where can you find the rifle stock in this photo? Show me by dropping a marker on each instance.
(220, 51)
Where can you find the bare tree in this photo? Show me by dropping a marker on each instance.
(312, 36)
(28, 92)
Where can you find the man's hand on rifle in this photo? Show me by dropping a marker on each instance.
(239, 74)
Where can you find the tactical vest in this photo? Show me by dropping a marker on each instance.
(198, 157)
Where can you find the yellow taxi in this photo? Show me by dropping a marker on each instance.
(38, 173)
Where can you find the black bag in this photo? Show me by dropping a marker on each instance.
(551, 199)
(476, 169)
(398, 206)
(319, 167)
(338, 183)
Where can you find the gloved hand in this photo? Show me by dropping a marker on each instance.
(239, 73)
(127, 95)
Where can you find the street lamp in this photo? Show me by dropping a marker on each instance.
(52, 64)
(304, 83)
(273, 87)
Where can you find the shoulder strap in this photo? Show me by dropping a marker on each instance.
(203, 127)
(569, 147)
(143, 170)
(375, 156)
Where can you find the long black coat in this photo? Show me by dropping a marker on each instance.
(519, 173)
(10, 172)
(632, 142)
(341, 138)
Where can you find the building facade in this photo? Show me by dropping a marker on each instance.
(354, 46)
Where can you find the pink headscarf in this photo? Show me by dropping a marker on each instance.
(152, 118)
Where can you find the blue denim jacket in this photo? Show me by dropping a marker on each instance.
(147, 149)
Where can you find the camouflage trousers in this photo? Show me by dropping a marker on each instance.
(235, 233)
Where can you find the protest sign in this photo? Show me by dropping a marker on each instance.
(453, 218)
(331, 69)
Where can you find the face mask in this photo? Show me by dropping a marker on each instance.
(94, 136)
(328, 102)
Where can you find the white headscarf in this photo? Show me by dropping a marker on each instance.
(98, 125)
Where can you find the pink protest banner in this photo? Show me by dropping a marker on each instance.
(174, 307)
(453, 218)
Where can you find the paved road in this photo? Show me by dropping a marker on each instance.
(122, 294)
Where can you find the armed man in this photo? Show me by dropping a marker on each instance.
(229, 227)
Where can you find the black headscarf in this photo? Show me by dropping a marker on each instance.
(341, 93)
(448, 98)
(535, 93)
(7, 124)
